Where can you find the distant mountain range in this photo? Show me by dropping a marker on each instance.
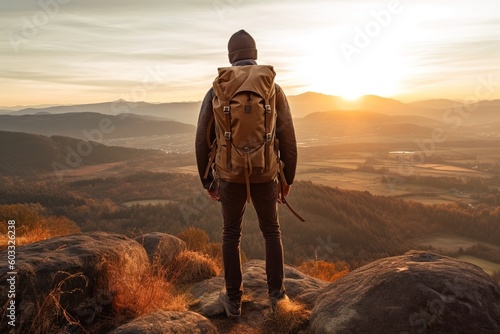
(310, 102)
(317, 116)
(301, 105)
(183, 112)
(439, 109)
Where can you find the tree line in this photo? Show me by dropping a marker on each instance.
(342, 225)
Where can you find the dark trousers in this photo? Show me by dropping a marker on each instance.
(233, 198)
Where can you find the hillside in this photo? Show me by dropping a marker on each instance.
(352, 226)
(30, 154)
(93, 126)
(434, 104)
(310, 102)
(364, 126)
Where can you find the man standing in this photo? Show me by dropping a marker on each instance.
(233, 193)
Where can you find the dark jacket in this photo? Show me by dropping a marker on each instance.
(285, 133)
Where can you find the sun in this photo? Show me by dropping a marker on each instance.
(351, 97)
(353, 82)
(349, 89)
(379, 70)
(345, 86)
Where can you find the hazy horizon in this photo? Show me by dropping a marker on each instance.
(345, 101)
(59, 52)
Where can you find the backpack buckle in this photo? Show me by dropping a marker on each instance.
(268, 108)
(227, 135)
(269, 136)
(226, 110)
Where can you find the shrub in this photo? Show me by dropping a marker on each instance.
(31, 226)
(196, 239)
(324, 270)
(190, 267)
(143, 291)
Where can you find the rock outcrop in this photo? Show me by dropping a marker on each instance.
(299, 287)
(69, 276)
(417, 292)
(161, 248)
(70, 269)
(168, 323)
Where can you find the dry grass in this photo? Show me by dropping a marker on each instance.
(36, 234)
(190, 267)
(289, 317)
(28, 237)
(126, 289)
(323, 270)
(47, 310)
(39, 229)
(142, 291)
(197, 240)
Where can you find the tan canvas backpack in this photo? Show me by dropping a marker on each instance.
(245, 149)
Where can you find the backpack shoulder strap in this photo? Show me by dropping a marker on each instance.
(209, 129)
(212, 145)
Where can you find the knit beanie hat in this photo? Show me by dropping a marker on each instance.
(241, 46)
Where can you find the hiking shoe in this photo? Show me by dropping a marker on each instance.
(232, 307)
(276, 300)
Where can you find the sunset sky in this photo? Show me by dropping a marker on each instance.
(86, 51)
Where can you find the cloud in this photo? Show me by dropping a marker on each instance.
(108, 45)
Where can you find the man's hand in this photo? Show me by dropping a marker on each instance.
(285, 192)
(214, 194)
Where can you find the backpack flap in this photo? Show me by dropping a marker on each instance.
(235, 79)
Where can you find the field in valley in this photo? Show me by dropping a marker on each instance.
(453, 245)
(487, 266)
(383, 173)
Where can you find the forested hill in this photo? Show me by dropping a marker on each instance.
(29, 154)
(93, 126)
(352, 226)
